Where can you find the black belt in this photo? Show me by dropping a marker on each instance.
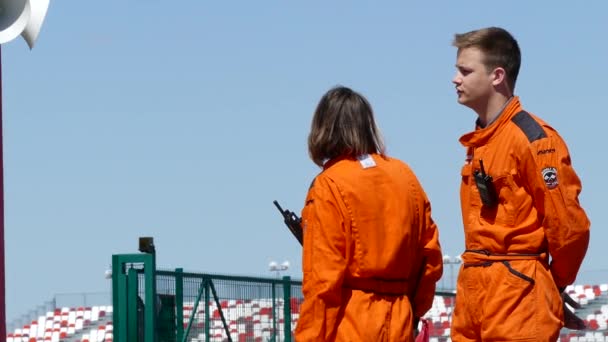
(486, 258)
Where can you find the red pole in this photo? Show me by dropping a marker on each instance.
(2, 278)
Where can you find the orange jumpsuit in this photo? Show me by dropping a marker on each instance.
(522, 250)
(371, 253)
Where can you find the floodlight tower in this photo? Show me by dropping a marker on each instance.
(274, 266)
(17, 17)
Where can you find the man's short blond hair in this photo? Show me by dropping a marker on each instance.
(499, 47)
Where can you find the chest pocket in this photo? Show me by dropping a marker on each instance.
(468, 191)
(510, 198)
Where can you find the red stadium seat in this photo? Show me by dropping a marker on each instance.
(216, 314)
(592, 324)
(266, 311)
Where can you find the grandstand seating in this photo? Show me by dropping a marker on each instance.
(254, 320)
(65, 324)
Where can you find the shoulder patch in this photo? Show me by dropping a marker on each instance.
(529, 126)
(550, 177)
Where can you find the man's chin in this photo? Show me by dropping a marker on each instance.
(465, 103)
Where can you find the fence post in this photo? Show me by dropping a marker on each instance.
(134, 319)
(127, 303)
(150, 308)
(207, 318)
(179, 302)
(287, 308)
(119, 299)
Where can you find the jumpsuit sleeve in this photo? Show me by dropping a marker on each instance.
(324, 263)
(555, 188)
(432, 262)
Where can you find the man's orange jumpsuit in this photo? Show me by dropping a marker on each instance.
(371, 253)
(531, 243)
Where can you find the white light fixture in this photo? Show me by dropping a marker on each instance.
(274, 266)
(22, 17)
(108, 273)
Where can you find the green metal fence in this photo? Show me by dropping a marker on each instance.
(175, 306)
(160, 306)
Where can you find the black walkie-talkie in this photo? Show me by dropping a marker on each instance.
(485, 186)
(293, 222)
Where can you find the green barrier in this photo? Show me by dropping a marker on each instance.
(169, 306)
(175, 306)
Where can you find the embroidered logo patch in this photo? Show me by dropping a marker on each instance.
(550, 177)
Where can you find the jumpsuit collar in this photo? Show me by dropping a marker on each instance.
(481, 136)
(331, 162)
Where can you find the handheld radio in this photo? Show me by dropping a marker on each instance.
(485, 186)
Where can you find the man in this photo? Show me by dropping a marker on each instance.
(525, 232)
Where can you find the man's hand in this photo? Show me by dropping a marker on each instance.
(571, 321)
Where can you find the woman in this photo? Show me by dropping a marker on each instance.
(371, 254)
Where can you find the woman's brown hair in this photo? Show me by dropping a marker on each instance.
(343, 126)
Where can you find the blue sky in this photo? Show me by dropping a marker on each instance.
(184, 121)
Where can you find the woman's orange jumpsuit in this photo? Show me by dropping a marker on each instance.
(371, 253)
(530, 244)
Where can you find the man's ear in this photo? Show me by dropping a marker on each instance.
(499, 75)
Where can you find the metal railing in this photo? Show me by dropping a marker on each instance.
(159, 305)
